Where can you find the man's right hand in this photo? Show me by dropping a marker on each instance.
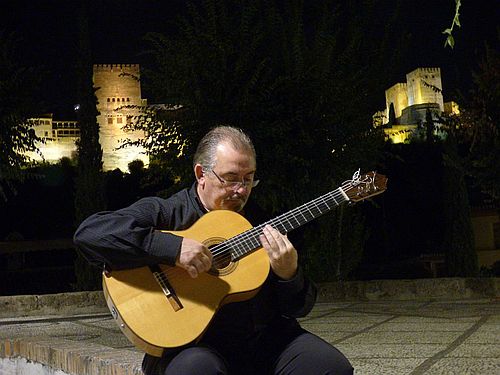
(194, 257)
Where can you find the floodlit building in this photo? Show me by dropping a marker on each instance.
(119, 100)
(407, 104)
(58, 138)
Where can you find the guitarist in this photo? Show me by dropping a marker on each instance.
(257, 336)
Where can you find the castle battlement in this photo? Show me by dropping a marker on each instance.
(398, 86)
(110, 67)
(420, 71)
(429, 70)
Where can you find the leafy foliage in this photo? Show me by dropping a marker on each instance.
(289, 74)
(18, 87)
(450, 41)
(458, 245)
(480, 124)
(89, 192)
(472, 151)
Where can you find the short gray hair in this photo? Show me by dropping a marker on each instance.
(206, 150)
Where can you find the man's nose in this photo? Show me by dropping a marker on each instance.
(241, 187)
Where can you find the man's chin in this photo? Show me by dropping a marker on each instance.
(234, 204)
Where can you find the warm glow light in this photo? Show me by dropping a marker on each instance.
(411, 100)
(119, 96)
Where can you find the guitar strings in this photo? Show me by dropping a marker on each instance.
(249, 237)
(312, 207)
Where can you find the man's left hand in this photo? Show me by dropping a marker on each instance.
(282, 255)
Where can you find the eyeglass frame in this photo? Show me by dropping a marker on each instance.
(235, 184)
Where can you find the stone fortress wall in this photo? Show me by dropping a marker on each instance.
(119, 98)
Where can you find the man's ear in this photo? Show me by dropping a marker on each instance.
(199, 174)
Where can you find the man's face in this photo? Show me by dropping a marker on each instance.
(231, 165)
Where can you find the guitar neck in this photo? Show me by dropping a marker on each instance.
(248, 241)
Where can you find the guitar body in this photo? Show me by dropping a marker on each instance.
(155, 316)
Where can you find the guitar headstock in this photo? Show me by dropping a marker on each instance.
(364, 186)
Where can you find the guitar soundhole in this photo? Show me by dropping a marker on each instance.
(221, 262)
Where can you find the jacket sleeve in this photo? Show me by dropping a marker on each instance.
(128, 237)
(296, 297)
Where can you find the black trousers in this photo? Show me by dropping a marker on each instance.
(296, 352)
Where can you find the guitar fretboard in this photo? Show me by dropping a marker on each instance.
(248, 241)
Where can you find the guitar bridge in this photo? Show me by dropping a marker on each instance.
(167, 289)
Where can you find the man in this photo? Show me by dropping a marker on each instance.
(257, 336)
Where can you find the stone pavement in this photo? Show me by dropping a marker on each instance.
(405, 337)
(391, 336)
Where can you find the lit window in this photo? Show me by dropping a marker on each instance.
(119, 120)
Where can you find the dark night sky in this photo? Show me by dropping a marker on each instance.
(48, 30)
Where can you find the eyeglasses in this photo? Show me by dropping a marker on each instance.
(235, 185)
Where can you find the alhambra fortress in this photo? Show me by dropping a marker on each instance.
(119, 99)
(410, 100)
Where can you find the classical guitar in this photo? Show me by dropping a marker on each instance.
(161, 306)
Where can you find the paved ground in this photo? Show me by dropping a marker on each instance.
(380, 337)
(456, 337)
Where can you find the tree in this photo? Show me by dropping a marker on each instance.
(296, 87)
(89, 195)
(450, 41)
(479, 124)
(429, 126)
(392, 116)
(473, 150)
(460, 254)
(18, 86)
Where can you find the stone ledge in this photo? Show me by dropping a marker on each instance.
(416, 290)
(72, 357)
(52, 304)
(404, 290)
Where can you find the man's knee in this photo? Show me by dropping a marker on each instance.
(333, 362)
(197, 360)
(312, 355)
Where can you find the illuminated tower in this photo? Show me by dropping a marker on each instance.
(424, 86)
(397, 96)
(118, 94)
